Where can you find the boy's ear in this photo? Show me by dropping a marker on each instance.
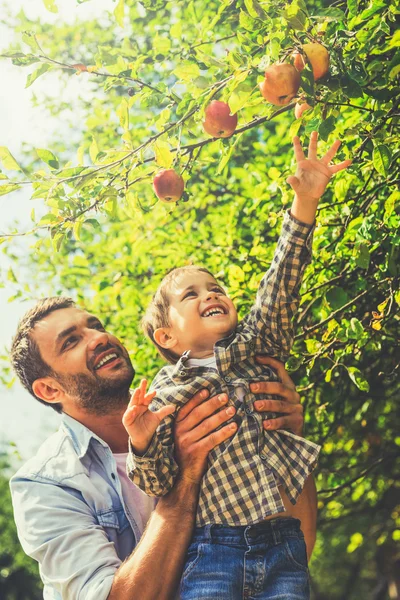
(48, 389)
(164, 338)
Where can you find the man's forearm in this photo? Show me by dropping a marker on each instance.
(154, 569)
(306, 510)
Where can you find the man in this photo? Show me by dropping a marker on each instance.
(75, 515)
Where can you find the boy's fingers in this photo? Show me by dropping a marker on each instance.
(340, 166)
(165, 411)
(130, 416)
(298, 150)
(149, 397)
(326, 159)
(312, 148)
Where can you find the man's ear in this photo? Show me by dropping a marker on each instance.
(164, 338)
(48, 389)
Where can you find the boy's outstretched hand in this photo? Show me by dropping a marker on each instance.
(140, 422)
(311, 177)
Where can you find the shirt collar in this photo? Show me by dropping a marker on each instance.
(80, 435)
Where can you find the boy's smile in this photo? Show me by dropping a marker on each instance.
(200, 314)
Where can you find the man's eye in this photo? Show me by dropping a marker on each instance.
(68, 342)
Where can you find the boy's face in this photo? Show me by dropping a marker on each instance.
(200, 313)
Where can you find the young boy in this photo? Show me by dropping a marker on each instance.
(236, 551)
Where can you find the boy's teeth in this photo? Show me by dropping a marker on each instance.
(213, 311)
(105, 359)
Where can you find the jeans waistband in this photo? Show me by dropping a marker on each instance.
(271, 531)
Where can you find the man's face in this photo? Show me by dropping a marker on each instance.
(91, 365)
(200, 312)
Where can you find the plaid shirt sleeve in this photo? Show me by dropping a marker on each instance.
(154, 472)
(278, 293)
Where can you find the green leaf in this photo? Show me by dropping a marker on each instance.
(329, 14)
(239, 97)
(254, 9)
(295, 13)
(187, 70)
(336, 297)
(381, 158)
(8, 187)
(327, 127)
(119, 12)
(358, 378)
(362, 256)
(22, 60)
(307, 81)
(123, 114)
(8, 160)
(389, 205)
(50, 5)
(374, 7)
(352, 7)
(37, 73)
(30, 40)
(164, 157)
(48, 157)
(350, 87)
(48, 218)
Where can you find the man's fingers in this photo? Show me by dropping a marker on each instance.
(193, 402)
(278, 406)
(216, 437)
(277, 389)
(279, 367)
(312, 148)
(340, 166)
(298, 150)
(209, 424)
(293, 422)
(201, 411)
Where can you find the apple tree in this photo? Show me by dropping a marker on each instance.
(150, 71)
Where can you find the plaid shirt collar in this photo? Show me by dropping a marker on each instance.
(181, 371)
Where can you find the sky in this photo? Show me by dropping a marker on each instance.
(24, 422)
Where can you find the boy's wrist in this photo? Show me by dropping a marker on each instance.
(304, 209)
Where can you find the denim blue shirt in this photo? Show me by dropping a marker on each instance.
(70, 514)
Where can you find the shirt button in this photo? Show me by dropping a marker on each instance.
(227, 379)
(251, 345)
(113, 476)
(248, 411)
(263, 456)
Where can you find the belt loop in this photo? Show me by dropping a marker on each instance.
(208, 532)
(275, 532)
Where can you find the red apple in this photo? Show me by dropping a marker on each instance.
(168, 185)
(300, 108)
(280, 84)
(80, 67)
(318, 57)
(218, 121)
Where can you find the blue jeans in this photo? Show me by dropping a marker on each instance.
(256, 562)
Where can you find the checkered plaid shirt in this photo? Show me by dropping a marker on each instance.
(240, 486)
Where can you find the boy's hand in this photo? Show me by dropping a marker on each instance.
(311, 177)
(140, 422)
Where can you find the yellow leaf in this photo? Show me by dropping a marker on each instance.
(163, 155)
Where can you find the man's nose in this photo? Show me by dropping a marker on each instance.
(97, 338)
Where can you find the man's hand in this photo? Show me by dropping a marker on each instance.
(140, 422)
(195, 434)
(290, 400)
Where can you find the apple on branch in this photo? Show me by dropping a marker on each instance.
(218, 121)
(168, 185)
(281, 84)
(300, 108)
(80, 68)
(318, 57)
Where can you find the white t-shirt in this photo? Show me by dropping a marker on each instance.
(138, 504)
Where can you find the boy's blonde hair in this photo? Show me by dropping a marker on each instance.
(157, 313)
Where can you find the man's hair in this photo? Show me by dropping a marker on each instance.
(25, 355)
(157, 313)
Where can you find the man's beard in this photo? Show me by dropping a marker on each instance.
(97, 395)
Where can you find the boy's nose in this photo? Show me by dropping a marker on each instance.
(211, 296)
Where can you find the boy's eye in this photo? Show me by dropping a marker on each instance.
(218, 290)
(191, 293)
